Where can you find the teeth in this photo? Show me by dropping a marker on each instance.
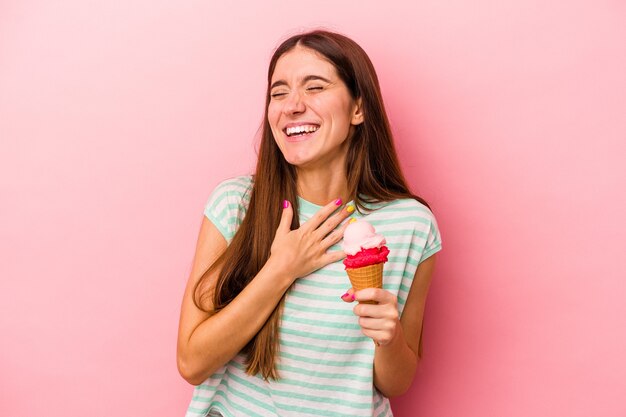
(301, 129)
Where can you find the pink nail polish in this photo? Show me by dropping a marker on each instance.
(344, 296)
(285, 204)
(338, 202)
(353, 297)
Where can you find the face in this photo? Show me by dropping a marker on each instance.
(311, 112)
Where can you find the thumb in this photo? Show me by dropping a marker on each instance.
(284, 226)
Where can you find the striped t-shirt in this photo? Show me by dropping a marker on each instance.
(325, 363)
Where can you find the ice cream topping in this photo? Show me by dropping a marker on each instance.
(361, 235)
(366, 257)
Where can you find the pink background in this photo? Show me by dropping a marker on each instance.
(118, 118)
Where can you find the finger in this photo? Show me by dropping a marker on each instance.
(321, 215)
(347, 297)
(373, 324)
(376, 335)
(366, 310)
(334, 237)
(284, 226)
(375, 294)
(330, 225)
(332, 257)
(367, 294)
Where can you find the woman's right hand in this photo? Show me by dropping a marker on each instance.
(301, 251)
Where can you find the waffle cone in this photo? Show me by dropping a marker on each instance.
(370, 276)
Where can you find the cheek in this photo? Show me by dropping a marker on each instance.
(273, 114)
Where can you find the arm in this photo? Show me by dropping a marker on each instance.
(396, 356)
(207, 341)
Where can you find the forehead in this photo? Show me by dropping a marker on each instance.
(300, 62)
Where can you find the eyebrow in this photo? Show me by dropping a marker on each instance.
(304, 80)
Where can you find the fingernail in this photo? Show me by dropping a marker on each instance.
(285, 204)
(344, 296)
(350, 209)
(353, 297)
(338, 202)
(352, 220)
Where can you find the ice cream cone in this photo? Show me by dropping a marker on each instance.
(370, 276)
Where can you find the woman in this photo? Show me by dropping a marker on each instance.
(263, 328)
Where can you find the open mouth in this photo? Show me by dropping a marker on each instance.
(300, 131)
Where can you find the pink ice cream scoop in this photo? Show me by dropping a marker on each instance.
(363, 246)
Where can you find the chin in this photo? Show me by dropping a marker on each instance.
(297, 160)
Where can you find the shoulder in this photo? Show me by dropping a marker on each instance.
(408, 222)
(406, 210)
(240, 185)
(228, 204)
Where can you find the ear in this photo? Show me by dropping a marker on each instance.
(357, 114)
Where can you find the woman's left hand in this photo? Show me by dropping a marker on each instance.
(378, 321)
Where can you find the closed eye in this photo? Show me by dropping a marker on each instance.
(316, 88)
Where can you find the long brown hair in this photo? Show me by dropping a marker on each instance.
(373, 175)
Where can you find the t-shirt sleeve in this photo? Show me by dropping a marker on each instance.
(227, 205)
(432, 237)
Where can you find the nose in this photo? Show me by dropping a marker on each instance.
(294, 103)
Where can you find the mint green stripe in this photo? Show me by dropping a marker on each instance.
(329, 285)
(245, 397)
(215, 377)
(319, 374)
(400, 246)
(315, 348)
(315, 411)
(355, 364)
(236, 185)
(217, 200)
(197, 397)
(396, 273)
(379, 402)
(239, 407)
(404, 232)
(430, 252)
(318, 309)
(384, 412)
(222, 409)
(225, 215)
(234, 220)
(317, 336)
(316, 297)
(236, 207)
(402, 260)
(418, 208)
(330, 273)
(325, 387)
(397, 221)
(318, 399)
(200, 411)
(261, 390)
(321, 323)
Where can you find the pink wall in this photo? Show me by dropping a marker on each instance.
(118, 118)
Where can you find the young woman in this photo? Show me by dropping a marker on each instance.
(264, 329)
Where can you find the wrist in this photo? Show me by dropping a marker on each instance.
(396, 340)
(279, 272)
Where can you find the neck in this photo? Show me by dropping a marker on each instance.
(320, 187)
